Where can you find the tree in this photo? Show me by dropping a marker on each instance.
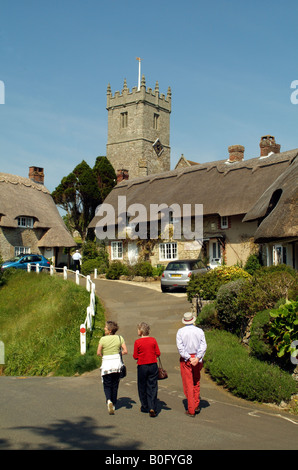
(106, 176)
(79, 195)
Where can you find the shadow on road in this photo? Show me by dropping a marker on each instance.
(84, 434)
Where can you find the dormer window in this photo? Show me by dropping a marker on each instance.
(224, 222)
(26, 222)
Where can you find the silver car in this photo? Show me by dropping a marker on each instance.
(178, 273)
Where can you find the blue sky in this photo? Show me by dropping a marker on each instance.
(229, 63)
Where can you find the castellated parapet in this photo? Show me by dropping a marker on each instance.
(139, 130)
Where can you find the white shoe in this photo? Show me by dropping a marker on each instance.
(111, 407)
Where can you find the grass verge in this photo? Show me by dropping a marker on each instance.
(228, 362)
(40, 318)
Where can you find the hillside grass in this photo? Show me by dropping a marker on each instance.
(40, 318)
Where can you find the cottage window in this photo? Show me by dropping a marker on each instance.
(21, 250)
(25, 222)
(167, 251)
(117, 250)
(279, 254)
(224, 222)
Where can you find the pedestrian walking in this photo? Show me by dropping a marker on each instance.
(109, 348)
(191, 344)
(77, 260)
(146, 352)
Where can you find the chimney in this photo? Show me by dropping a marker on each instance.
(36, 174)
(122, 175)
(268, 145)
(236, 153)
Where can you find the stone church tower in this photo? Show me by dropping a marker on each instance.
(138, 130)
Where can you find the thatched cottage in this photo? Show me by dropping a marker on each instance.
(29, 219)
(276, 213)
(228, 190)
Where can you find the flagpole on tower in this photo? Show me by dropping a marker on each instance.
(139, 79)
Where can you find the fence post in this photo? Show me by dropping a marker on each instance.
(95, 273)
(65, 272)
(28, 267)
(89, 318)
(92, 299)
(37, 267)
(51, 270)
(83, 338)
(88, 283)
(77, 277)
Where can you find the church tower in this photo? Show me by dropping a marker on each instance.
(139, 130)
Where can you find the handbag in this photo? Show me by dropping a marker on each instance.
(162, 373)
(123, 370)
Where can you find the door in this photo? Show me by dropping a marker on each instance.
(133, 253)
(214, 254)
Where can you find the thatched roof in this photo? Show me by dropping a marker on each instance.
(22, 197)
(277, 208)
(223, 188)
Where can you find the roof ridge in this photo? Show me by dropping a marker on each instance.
(15, 179)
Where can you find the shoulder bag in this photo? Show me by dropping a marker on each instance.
(123, 370)
(162, 373)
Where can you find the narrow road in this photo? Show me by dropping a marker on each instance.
(70, 413)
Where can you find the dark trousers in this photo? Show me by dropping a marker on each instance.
(147, 386)
(77, 266)
(110, 386)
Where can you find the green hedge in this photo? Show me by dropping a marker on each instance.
(207, 285)
(229, 364)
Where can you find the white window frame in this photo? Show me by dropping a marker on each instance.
(22, 250)
(168, 251)
(116, 250)
(224, 222)
(26, 222)
(280, 255)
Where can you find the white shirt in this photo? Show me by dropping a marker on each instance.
(191, 340)
(76, 256)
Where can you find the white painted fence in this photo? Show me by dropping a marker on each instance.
(90, 286)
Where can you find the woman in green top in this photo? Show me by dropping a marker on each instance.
(109, 349)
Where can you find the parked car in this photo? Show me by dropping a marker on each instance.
(178, 273)
(22, 261)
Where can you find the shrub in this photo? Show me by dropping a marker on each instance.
(207, 317)
(258, 341)
(116, 269)
(89, 265)
(230, 365)
(207, 285)
(284, 327)
(228, 312)
(143, 268)
(263, 291)
(158, 270)
(252, 264)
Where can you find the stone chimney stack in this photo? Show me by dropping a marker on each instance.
(122, 175)
(268, 145)
(36, 174)
(236, 153)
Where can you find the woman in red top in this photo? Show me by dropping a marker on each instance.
(146, 351)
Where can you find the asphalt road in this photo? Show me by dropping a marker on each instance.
(55, 413)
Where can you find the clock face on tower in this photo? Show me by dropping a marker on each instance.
(158, 147)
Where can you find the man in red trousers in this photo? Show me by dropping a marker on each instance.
(191, 344)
